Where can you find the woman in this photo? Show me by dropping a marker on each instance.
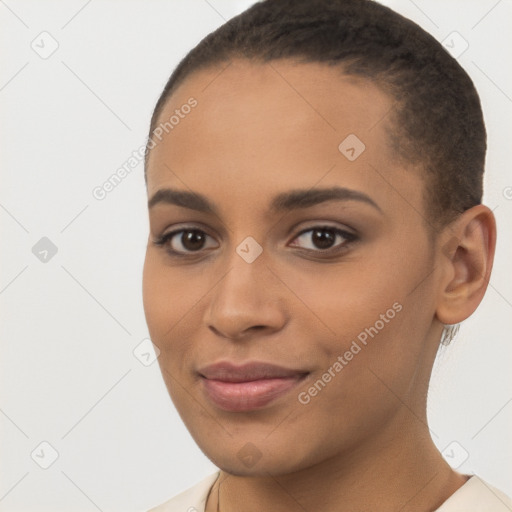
(314, 175)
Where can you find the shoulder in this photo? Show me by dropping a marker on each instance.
(192, 499)
(477, 495)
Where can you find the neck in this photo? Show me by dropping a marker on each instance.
(401, 469)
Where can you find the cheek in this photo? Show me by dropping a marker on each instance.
(164, 307)
(155, 298)
(169, 297)
(174, 301)
(340, 301)
(365, 317)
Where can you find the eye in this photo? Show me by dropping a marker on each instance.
(189, 241)
(323, 238)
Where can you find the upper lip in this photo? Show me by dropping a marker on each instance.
(230, 372)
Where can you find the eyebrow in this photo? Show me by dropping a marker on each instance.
(285, 201)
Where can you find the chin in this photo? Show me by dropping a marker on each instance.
(251, 461)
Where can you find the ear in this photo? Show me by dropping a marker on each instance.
(466, 255)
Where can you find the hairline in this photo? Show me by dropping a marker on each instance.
(378, 80)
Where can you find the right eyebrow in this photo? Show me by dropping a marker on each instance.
(183, 198)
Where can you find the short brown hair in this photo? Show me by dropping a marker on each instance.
(438, 121)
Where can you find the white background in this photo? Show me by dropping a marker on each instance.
(69, 326)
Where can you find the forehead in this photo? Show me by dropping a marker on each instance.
(278, 96)
(259, 125)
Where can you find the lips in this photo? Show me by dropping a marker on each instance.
(247, 387)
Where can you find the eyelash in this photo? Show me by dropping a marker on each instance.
(349, 238)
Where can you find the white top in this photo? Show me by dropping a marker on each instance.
(476, 495)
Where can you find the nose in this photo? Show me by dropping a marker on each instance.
(247, 299)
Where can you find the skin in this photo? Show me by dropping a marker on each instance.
(362, 442)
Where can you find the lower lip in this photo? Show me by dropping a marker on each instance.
(247, 396)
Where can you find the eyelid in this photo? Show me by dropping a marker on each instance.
(326, 225)
(168, 236)
(184, 227)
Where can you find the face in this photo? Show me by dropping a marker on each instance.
(307, 252)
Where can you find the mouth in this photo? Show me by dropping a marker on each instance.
(248, 387)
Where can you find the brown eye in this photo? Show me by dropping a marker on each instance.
(323, 238)
(185, 241)
(192, 240)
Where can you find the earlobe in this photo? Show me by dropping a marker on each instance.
(466, 257)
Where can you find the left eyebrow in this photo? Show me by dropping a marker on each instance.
(305, 198)
(285, 201)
